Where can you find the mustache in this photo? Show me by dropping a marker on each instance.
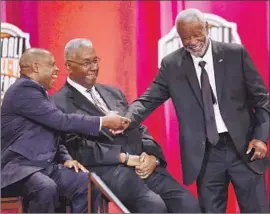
(194, 46)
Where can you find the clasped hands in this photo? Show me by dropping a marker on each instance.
(115, 123)
(144, 164)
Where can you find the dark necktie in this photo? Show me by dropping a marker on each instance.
(97, 103)
(208, 100)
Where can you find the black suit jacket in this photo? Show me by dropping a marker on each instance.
(242, 96)
(99, 153)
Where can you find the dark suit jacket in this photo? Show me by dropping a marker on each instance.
(30, 126)
(242, 96)
(100, 153)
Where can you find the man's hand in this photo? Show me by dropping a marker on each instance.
(115, 122)
(147, 166)
(133, 160)
(76, 165)
(260, 149)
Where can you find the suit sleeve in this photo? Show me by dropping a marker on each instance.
(258, 98)
(90, 152)
(153, 97)
(63, 154)
(150, 146)
(33, 104)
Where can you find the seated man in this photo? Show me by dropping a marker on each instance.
(32, 161)
(146, 188)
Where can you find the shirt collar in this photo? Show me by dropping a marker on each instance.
(78, 86)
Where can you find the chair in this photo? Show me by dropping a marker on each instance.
(15, 205)
(106, 195)
(12, 205)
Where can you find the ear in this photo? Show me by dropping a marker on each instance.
(207, 26)
(67, 65)
(35, 67)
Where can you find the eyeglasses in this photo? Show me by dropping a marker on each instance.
(87, 64)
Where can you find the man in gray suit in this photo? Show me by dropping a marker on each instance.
(222, 107)
(145, 188)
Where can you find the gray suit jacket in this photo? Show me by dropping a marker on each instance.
(101, 152)
(242, 96)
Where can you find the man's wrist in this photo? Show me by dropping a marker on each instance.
(122, 157)
(100, 123)
(126, 158)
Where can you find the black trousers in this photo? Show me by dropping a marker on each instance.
(159, 193)
(222, 165)
(42, 189)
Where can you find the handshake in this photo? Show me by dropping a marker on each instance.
(115, 122)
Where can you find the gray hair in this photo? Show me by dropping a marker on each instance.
(76, 43)
(190, 15)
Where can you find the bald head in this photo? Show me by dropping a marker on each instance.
(31, 56)
(39, 65)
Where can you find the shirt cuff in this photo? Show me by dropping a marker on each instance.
(100, 123)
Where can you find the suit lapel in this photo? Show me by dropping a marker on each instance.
(106, 96)
(82, 102)
(219, 69)
(188, 66)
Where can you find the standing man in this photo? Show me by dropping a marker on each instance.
(32, 161)
(223, 109)
(145, 188)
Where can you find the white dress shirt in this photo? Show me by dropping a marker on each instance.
(84, 92)
(209, 67)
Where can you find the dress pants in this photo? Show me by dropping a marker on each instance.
(159, 193)
(222, 165)
(42, 189)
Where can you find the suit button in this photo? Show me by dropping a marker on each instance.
(49, 160)
(203, 142)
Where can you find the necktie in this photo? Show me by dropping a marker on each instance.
(208, 100)
(97, 102)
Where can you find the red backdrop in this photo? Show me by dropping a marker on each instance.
(126, 36)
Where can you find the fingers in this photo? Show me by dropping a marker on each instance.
(144, 162)
(116, 132)
(115, 122)
(125, 122)
(143, 175)
(250, 146)
(76, 168)
(76, 165)
(82, 168)
(143, 157)
(258, 154)
(260, 149)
